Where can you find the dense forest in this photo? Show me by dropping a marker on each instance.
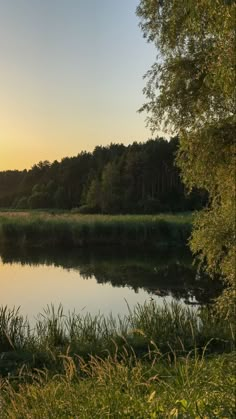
(138, 178)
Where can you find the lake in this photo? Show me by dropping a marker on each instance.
(98, 280)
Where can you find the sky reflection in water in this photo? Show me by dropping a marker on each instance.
(98, 280)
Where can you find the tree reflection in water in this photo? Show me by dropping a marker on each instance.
(164, 273)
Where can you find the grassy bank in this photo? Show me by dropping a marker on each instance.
(169, 329)
(74, 230)
(156, 362)
(190, 388)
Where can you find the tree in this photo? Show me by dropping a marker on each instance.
(190, 90)
(59, 197)
(93, 198)
(111, 195)
(22, 203)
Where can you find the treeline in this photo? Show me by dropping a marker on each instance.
(138, 178)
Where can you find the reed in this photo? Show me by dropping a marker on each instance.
(46, 229)
(14, 329)
(156, 362)
(170, 329)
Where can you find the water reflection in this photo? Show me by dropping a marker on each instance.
(166, 273)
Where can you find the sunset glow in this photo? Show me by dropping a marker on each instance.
(71, 78)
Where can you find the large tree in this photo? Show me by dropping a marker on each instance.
(190, 90)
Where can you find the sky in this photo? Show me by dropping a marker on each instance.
(71, 78)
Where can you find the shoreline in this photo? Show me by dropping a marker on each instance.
(71, 230)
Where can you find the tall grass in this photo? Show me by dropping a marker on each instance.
(193, 387)
(157, 362)
(44, 229)
(13, 329)
(171, 328)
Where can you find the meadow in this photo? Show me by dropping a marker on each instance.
(155, 362)
(76, 230)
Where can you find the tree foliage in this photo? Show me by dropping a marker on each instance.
(190, 90)
(114, 179)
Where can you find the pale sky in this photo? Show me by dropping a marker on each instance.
(71, 78)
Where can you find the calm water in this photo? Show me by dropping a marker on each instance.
(98, 280)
